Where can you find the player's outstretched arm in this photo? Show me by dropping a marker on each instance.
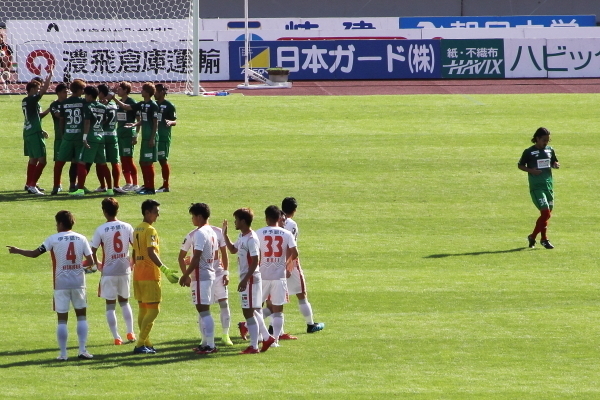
(27, 253)
(46, 84)
(232, 249)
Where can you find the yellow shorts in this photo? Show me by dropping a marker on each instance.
(147, 291)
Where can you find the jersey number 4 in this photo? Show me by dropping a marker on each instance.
(71, 256)
(278, 252)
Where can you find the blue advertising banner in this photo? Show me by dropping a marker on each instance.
(341, 59)
(548, 21)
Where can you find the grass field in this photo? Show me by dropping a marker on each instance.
(413, 219)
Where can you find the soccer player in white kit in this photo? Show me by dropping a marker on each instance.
(200, 275)
(247, 248)
(296, 283)
(114, 237)
(67, 250)
(277, 252)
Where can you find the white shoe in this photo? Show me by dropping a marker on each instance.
(126, 186)
(34, 190)
(85, 355)
(120, 190)
(133, 188)
(62, 358)
(100, 190)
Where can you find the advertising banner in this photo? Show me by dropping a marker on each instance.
(272, 35)
(538, 21)
(472, 58)
(121, 61)
(302, 24)
(343, 59)
(523, 58)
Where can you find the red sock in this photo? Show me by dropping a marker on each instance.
(126, 169)
(100, 176)
(105, 175)
(133, 170)
(166, 173)
(38, 172)
(81, 175)
(58, 167)
(30, 173)
(541, 224)
(547, 214)
(116, 174)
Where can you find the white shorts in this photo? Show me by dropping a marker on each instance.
(219, 290)
(252, 296)
(275, 291)
(296, 283)
(202, 292)
(110, 287)
(64, 297)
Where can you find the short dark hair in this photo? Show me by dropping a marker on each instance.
(102, 88)
(60, 87)
(289, 205)
(33, 83)
(148, 205)
(539, 133)
(272, 213)
(65, 218)
(91, 91)
(110, 206)
(38, 79)
(200, 209)
(161, 88)
(244, 214)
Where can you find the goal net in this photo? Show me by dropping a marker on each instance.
(100, 41)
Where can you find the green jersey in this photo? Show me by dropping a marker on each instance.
(73, 111)
(541, 159)
(148, 111)
(166, 111)
(31, 112)
(55, 110)
(110, 123)
(126, 117)
(96, 114)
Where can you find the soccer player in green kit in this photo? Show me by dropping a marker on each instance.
(61, 94)
(127, 137)
(167, 116)
(149, 123)
(93, 142)
(33, 135)
(538, 161)
(111, 146)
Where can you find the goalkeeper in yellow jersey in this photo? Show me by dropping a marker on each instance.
(146, 275)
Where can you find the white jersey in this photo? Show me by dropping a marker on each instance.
(205, 240)
(115, 238)
(292, 226)
(221, 243)
(247, 246)
(67, 250)
(274, 243)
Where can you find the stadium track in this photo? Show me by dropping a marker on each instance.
(446, 86)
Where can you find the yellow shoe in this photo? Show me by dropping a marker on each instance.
(226, 340)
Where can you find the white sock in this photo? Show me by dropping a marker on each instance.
(208, 328)
(61, 335)
(253, 331)
(306, 310)
(277, 324)
(111, 318)
(82, 333)
(127, 315)
(202, 338)
(261, 324)
(225, 316)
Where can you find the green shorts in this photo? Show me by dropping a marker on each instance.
(95, 154)
(163, 150)
(147, 153)
(126, 146)
(70, 150)
(112, 152)
(34, 146)
(543, 199)
(57, 143)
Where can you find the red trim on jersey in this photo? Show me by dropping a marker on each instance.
(103, 252)
(198, 301)
(53, 257)
(250, 283)
(302, 284)
(99, 288)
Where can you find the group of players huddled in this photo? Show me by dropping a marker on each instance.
(92, 126)
(268, 264)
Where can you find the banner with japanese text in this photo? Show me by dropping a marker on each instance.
(514, 21)
(472, 58)
(524, 58)
(134, 62)
(341, 59)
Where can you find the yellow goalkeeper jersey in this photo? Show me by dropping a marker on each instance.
(145, 236)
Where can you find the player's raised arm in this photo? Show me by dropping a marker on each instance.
(126, 107)
(46, 84)
(232, 249)
(27, 253)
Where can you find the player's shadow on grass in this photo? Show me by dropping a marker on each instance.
(476, 253)
(12, 196)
